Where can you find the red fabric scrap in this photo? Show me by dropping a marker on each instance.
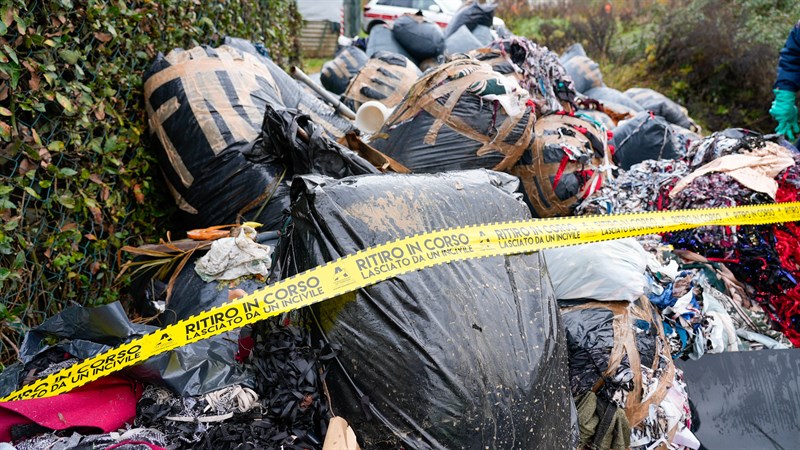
(106, 405)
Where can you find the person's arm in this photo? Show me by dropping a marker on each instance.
(789, 63)
(784, 109)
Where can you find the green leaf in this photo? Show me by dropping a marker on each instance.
(32, 193)
(67, 172)
(67, 201)
(62, 100)
(19, 261)
(14, 72)
(55, 146)
(69, 56)
(50, 77)
(11, 53)
(4, 189)
(5, 112)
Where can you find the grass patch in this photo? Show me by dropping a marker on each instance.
(313, 65)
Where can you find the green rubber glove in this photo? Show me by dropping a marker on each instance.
(784, 111)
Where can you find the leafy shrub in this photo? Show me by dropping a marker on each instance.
(721, 56)
(77, 182)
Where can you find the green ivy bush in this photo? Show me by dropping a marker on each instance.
(77, 181)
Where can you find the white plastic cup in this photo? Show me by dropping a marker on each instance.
(371, 116)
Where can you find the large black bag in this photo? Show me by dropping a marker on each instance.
(585, 73)
(646, 136)
(450, 120)
(471, 15)
(381, 39)
(420, 38)
(385, 78)
(464, 355)
(660, 105)
(205, 107)
(461, 41)
(337, 73)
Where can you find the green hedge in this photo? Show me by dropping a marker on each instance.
(77, 179)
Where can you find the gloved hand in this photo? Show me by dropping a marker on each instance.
(784, 111)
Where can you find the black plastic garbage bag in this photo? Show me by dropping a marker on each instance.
(646, 136)
(381, 39)
(461, 41)
(572, 51)
(660, 105)
(385, 78)
(465, 355)
(745, 399)
(205, 108)
(471, 15)
(483, 34)
(337, 73)
(293, 93)
(421, 38)
(585, 73)
(452, 120)
(295, 141)
(85, 332)
(614, 349)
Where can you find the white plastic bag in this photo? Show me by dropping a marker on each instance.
(604, 271)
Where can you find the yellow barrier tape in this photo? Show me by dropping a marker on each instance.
(392, 259)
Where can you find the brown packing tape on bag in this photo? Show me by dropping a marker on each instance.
(625, 313)
(452, 81)
(389, 80)
(197, 72)
(537, 177)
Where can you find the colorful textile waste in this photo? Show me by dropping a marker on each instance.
(731, 168)
(645, 187)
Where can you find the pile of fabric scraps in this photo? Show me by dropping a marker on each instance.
(672, 415)
(730, 168)
(763, 257)
(705, 309)
(645, 187)
(286, 410)
(130, 439)
(541, 74)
